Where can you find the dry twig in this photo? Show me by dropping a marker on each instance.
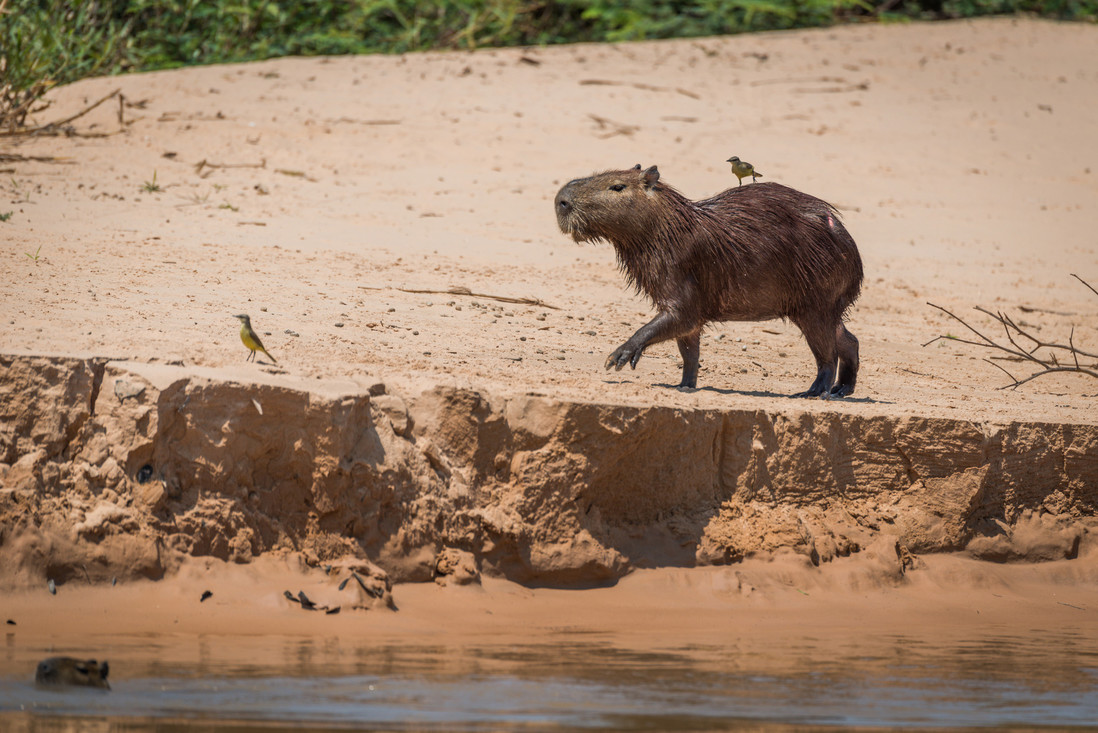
(461, 290)
(637, 85)
(1085, 283)
(203, 164)
(799, 80)
(1047, 363)
(17, 158)
(57, 127)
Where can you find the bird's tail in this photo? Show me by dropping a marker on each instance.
(269, 356)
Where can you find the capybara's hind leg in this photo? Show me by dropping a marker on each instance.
(848, 363)
(690, 349)
(821, 339)
(825, 375)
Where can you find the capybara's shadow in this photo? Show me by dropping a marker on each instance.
(758, 393)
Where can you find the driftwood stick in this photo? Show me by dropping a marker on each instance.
(461, 290)
(987, 342)
(1004, 371)
(203, 164)
(1009, 323)
(1051, 370)
(1085, 283)
(50, 126)
(17, 158)
(1049, 363)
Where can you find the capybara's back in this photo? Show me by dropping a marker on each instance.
(792, 245)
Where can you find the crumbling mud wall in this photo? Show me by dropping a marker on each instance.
(106, 475)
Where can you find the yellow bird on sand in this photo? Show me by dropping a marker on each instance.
(251, 338)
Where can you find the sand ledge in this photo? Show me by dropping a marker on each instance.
(117, 470)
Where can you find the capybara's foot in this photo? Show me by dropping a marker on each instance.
(821, 386)
(627, 353)
(689, 381)
(842, 390)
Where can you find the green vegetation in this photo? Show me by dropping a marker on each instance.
(6, 215)
(48, 42)
(151, 186)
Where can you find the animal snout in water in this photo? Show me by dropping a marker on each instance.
(66, 671)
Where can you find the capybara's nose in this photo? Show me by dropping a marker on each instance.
(563, 204)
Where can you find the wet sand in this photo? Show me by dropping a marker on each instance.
(960, 642)
(760, 599)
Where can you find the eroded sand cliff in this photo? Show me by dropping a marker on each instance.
(115, 469)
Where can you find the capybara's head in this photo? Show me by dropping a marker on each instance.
(72, 672)
(614, 205)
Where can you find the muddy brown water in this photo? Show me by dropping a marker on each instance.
(999, 678)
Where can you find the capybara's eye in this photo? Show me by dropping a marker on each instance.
(618, 187)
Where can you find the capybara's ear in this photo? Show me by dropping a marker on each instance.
(637, 167)
(651, 176)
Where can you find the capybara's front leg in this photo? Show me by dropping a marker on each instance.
(664, 326)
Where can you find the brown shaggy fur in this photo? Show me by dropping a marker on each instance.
(750, 253)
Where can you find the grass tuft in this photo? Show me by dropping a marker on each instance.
(151, 186)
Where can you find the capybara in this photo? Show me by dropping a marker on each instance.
(58, 671)
(750, 253)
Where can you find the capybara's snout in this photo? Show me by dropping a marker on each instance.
(563, 201)
(564, 205)
(67, 671)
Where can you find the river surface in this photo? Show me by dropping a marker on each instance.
(569, 680)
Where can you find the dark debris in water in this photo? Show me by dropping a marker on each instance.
(305, 602)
